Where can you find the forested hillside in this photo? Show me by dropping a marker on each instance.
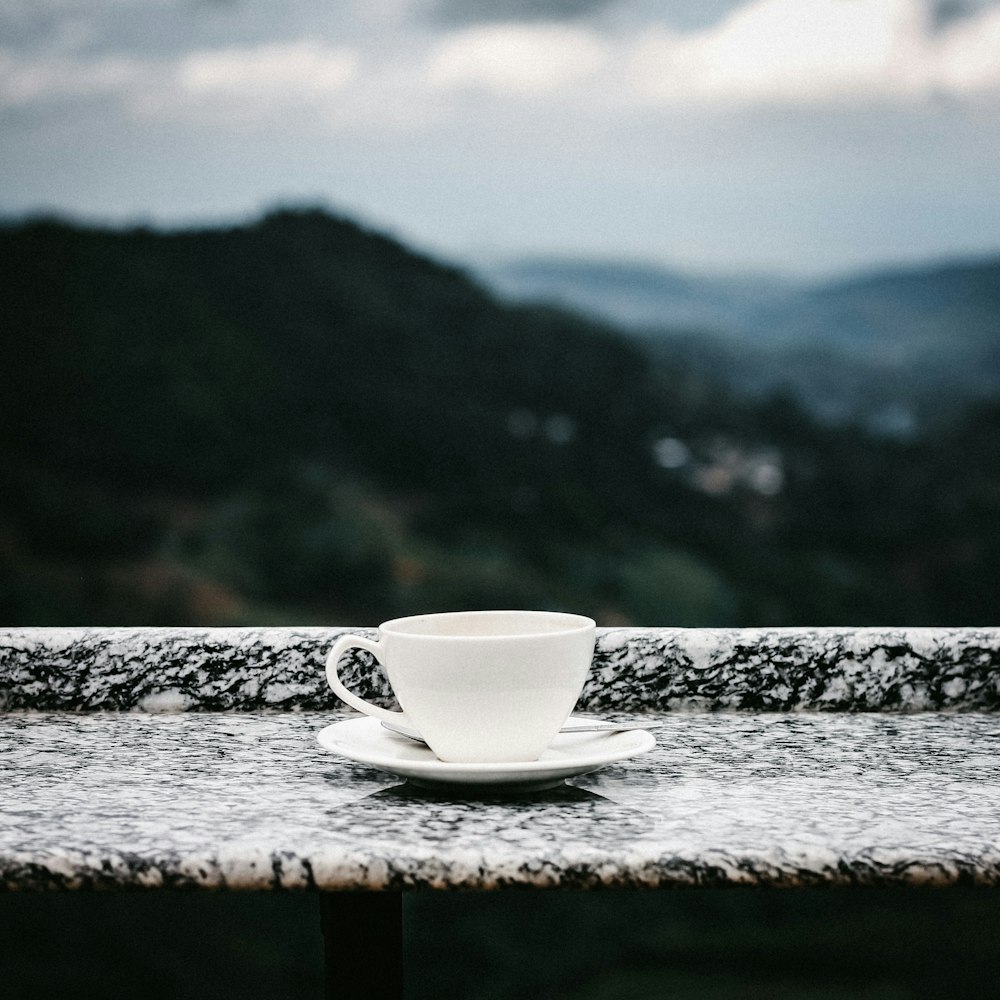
(301, 420)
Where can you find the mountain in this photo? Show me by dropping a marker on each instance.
(300, 409)
(191, 357)
(638, 296)
(301, 420)
(898, 348)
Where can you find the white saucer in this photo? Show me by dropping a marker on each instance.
(366, 741)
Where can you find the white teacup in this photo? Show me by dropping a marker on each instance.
(480, 686)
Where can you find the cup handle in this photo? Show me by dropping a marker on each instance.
(341, 646)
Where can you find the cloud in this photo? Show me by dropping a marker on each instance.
(763, 53)
(230, 86)
(820, 51)
(516, 58)
(969, 57)
(256, 87)
(307, 86)
(464, 12)
(945, 12)
(280, 72)
(26, 81)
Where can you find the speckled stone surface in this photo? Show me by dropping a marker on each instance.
(634, 669)
(787, 756)
(250, 800)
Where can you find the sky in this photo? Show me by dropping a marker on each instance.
(799, 137)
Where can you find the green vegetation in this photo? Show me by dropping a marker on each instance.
(300, 420)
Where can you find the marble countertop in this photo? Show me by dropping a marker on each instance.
(636, 669)
(250, 800)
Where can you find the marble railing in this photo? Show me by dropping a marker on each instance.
(634, 670)
(784, 757)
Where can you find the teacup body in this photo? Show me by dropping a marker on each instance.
(483, 686)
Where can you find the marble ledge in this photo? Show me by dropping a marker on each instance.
(639, 669)
(249, 800)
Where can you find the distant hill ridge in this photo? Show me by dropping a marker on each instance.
(895, 336)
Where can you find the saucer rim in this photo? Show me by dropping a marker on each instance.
(644, 741)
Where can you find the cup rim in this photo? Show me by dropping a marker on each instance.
(575, 624)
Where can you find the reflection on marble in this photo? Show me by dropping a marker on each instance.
(250, 800)
(634, 669)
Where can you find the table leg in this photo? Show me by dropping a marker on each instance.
(362, 944)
